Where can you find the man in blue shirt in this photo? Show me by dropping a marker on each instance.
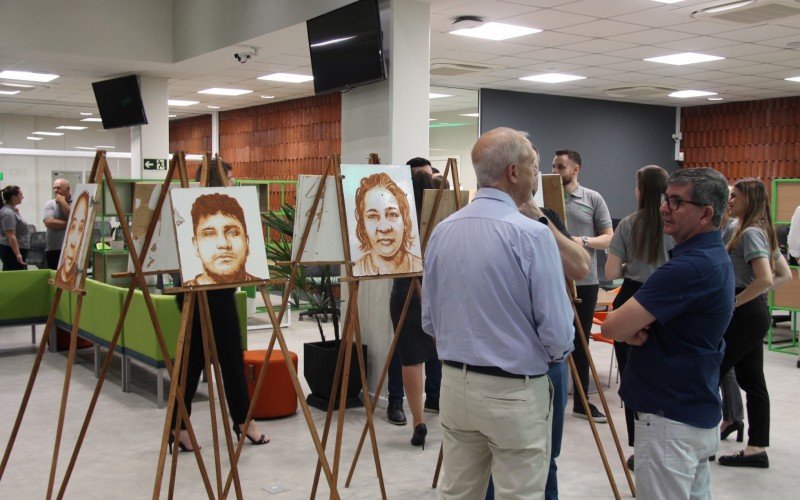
(676, 322)
(494, 299)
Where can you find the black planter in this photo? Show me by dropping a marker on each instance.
(319, 366)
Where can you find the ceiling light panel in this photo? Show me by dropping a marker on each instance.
(793, 79)
(552, 78)
(684, 58)
(496, 31)
(433, 95)
(180, 102)
(286, 77)
(683, 94)
(91, 120)
(9, 92)
(70, 127)
(224, 91)
(52, 134)
(27, 76)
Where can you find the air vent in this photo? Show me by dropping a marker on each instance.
(755, 13)
(639, 92)
(455, 69)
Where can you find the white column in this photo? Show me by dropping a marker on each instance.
(389, 118)
(151, 141)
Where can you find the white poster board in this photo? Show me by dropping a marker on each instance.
(324, 243)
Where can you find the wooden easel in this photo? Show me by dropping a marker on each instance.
(450, 170)
(100, 172)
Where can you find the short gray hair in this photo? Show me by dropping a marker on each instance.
(498, 148)
(709, 187)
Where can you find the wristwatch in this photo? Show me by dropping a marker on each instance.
(585, 240)
(544, 220)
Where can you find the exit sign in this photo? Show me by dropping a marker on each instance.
(155, 164)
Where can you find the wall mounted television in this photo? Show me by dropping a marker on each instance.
(346, 47)
(120, 102)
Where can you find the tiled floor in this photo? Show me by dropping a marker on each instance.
(120, 455)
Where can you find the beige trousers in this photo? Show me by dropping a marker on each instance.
(498, 426)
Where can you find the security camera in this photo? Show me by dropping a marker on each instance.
(244, 55)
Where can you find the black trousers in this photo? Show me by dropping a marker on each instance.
(744, 352)
(588, 296)
(51, 258)
(621, 349)
(225, 322)
(9, 260)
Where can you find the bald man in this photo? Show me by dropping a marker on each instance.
(56, 212)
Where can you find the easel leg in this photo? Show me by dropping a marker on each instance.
(438, 466)
(73, 345)
(31, 380)
(206, 330)
(397, 332)
(223, 402)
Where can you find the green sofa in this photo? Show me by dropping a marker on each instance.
(26, 298)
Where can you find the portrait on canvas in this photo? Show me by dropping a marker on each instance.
(77, 237)
(162, 254)
(220, 240)
(324, 243)
(381, 220)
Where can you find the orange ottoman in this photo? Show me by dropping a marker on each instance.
(278, 397)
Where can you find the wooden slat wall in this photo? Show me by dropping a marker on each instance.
(744, 139)
(272, 141)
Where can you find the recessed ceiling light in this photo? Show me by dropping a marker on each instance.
(54, 134)
(268, 97)
(9, 92)
(171, 116)
(31, 138)
(27, 76)
(496, 31)
(722, 8)
(691, 93)
(92, 120)
(70, 127)
(433, 95)
(668, 1)
(105, 147)
(85, 147)
(793, 79)
(222, 91)
(212, 107)
(684, 58)
(85, 113)
(552, 78)
(471, 115)
(179, 102)
(286, 77)
(715, 98)
(433, 119)
(17, 85)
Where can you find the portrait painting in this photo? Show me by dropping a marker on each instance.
(162, 254)
(324, 243)
(381, 220)
(219, 235)
(71, 265)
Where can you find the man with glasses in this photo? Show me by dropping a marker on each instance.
(676, 323)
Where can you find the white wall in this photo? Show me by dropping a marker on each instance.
(33, 173)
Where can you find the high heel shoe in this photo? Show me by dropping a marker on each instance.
(262, 440)
(418, 439)
(737, 426)
(181, 446)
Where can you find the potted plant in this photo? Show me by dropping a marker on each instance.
(314, 284)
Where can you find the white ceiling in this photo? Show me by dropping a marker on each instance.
(604, 40)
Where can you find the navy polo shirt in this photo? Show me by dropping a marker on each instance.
(675, 374)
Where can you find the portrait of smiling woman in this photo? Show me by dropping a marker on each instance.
(385, 228)
(76, 238)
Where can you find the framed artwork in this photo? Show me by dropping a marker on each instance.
(324, 242)
(163, 252)
(381, 219)
(77, 237)
(219, 235)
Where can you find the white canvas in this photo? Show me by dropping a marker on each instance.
(324, 243)
(162, 255)
(383, 235)
(77, 237)
(222, 250)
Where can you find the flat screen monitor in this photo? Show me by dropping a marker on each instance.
(120, 102)
(346, 47)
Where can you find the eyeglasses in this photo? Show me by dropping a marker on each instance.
(675, 202)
